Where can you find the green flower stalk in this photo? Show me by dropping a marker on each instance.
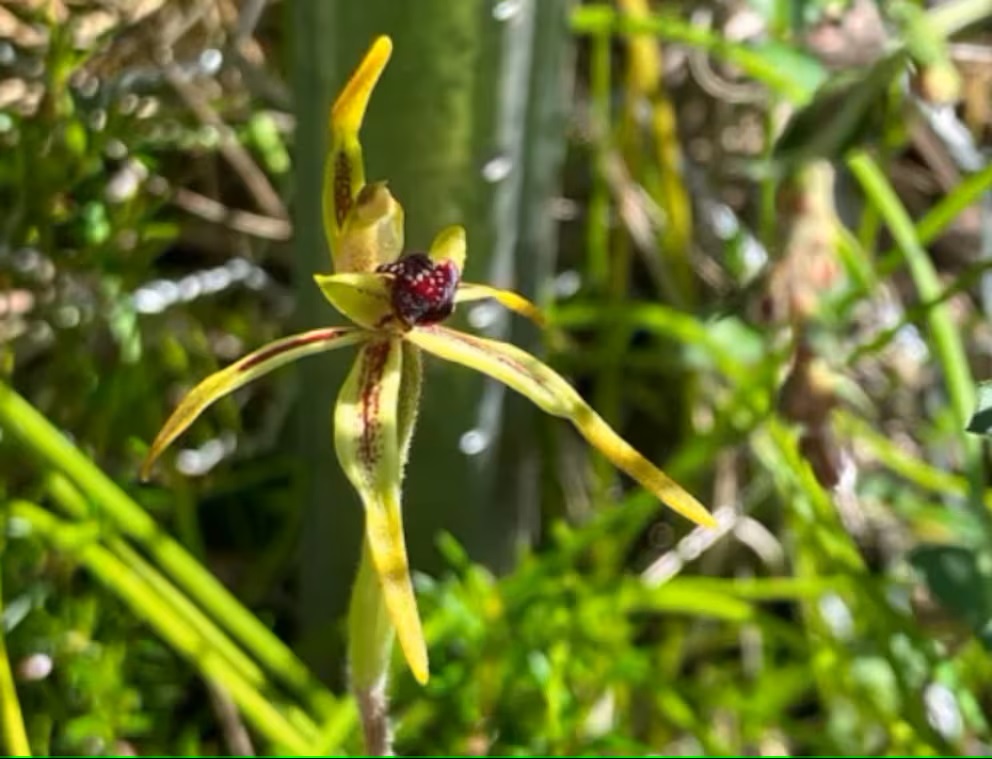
(397, 301)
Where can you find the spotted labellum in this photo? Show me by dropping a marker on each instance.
(423, 292)
(397, 302)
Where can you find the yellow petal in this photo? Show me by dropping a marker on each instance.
(367, 441)
(449, 244)
(240, 373)
(363, 298)
(533, 379)
(468, 292)
(344, 171)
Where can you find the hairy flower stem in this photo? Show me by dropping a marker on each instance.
(370, 642)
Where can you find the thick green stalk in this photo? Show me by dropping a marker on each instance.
(21, 420)
(13, 736)
(146, 602)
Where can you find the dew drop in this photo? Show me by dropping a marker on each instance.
(35, 667)
(567, 284)
(483, 316)
(473, 442)
(210, 61)
(506, 9)
(497, 169)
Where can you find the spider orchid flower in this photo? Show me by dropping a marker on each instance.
(396, 301)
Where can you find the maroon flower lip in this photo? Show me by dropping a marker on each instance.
(423, 291)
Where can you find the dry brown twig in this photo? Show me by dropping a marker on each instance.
(246, 222)
(255, 180)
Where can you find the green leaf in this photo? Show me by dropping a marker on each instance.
(981, 421)
(264, 133)
(679, 597)
(960, 578)
(96, 223)
(842, 115)
(805, 70)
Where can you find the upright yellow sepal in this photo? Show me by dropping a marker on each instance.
(348, 111)
(344, 171)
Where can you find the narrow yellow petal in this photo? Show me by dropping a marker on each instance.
(468, 292)
(240, 373)
(366, 438)
(344, 170)
(450, 244)
(530, 377)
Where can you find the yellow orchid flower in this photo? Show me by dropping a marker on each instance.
(397, 301)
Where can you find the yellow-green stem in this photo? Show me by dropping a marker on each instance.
(13, 736)
(22, 421)
(370, 643)
(146, 603)
(947, 342)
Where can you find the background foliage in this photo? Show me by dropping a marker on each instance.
(771, 231)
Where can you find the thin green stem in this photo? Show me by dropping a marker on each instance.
(598, 229)
(73, 503)
(601, 19)
(145, 601)
(21, 420)
(768, 187)
(947, 342)
(868, 229)
(184, 612)
(891, 455)
(13, 735)
(938, 218)
(950, 18)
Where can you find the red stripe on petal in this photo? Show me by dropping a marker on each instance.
(307, 338)
(374, 359)
(479, 345)
(342, 187)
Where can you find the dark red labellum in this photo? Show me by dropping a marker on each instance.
(423, 291)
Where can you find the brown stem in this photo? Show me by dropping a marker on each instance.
(374, 710)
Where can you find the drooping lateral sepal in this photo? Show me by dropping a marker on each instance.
(546, 388)
(240, 373)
